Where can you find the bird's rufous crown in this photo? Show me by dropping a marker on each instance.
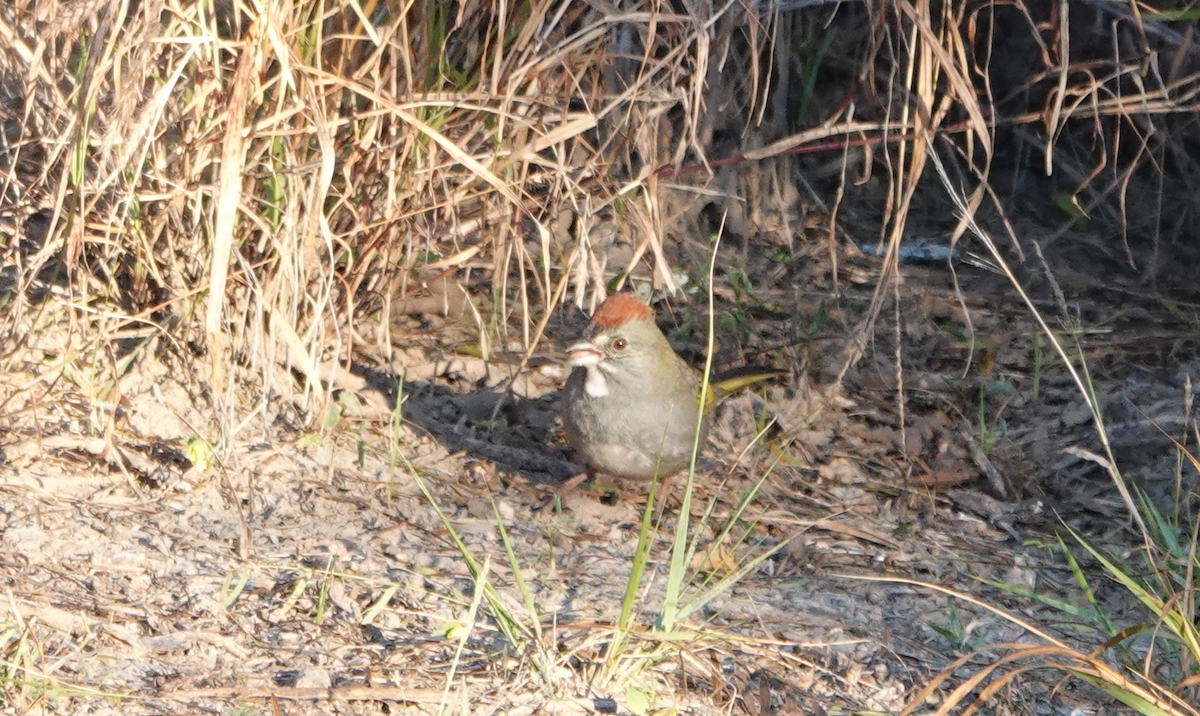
(619, 308)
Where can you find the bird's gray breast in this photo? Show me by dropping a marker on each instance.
(630, 428)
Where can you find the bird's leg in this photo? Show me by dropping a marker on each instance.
(574, 482)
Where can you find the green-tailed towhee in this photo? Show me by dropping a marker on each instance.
(631, 404)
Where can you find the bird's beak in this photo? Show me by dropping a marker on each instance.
(582, 355)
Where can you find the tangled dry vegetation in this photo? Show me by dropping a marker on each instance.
(282, 285)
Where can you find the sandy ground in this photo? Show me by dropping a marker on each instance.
(309, 573)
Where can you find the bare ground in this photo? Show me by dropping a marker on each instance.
(308, 573)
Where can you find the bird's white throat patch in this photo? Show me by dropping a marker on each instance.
(595, 385)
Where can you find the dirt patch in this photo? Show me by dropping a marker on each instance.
(312, 570)
(944, 443)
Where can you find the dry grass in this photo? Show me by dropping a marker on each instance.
(254, 192)
(273, 187)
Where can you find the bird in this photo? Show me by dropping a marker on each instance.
(631, 407)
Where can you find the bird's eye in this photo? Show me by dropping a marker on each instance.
(620, 344)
